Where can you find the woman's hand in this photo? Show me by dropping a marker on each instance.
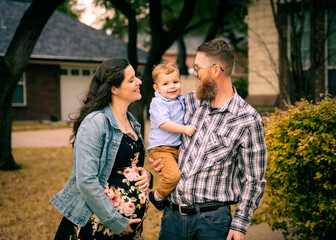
(128, 229)
(143, 180)
(156, 165)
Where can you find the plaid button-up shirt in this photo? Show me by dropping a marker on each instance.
(225, 159)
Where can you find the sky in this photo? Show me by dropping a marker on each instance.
(90, 13)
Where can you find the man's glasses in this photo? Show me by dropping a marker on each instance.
(196, 69)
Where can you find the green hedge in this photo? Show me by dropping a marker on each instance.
(241, 85)
(301, 174)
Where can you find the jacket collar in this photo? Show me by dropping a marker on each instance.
(110, 116)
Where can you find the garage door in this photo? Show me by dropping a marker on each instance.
(75, 83)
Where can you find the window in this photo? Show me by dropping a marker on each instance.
(331, 47)
(86, 72)
(305, 41)
(19, 97)
(74, 72)
(330, 80)
(64, 71)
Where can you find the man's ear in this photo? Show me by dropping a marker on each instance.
(215, 72)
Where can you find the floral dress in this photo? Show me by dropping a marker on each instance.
(120, 188)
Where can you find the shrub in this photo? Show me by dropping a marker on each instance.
(301, 171)
(241, 85)
(54, 118)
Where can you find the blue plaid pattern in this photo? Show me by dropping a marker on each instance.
(225, 159)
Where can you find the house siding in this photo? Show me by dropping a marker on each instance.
(263, 54)
(43, 94)
(265, 67)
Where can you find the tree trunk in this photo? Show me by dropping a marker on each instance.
(313, 50)
(132, 41)
(126, 9)
(223, 9)
(295, 84)
(13, 64)
(6, 159)
(161, 41)
(138, 108)
(181, 57)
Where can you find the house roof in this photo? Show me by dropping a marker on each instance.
(63, 37)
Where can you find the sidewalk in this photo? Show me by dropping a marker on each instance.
(60, 137)
(42, 138)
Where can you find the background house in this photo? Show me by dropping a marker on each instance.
(191, 44)
(190, 82)
(264, 52)
(62, 63)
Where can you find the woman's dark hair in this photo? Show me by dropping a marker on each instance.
(110, 73)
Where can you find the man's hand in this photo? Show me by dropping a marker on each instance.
(189, 130)
(156, 165)
(235, 235)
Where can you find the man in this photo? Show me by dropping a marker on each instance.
(223, 163)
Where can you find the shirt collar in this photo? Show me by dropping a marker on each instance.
(231, 106)
(158, 95)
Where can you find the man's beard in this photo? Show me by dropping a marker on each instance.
(206, 90)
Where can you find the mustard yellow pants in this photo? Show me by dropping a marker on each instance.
(171, 172)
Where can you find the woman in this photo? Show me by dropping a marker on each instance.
(106, 195)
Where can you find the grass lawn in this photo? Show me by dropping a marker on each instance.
(25, 210)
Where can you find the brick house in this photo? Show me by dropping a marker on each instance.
(62, 63)
(265, 67)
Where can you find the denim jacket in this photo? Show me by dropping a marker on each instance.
(95, 149)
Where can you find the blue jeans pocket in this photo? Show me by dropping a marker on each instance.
(221, 215)
(166, 213)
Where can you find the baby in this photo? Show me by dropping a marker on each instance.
(166, 115)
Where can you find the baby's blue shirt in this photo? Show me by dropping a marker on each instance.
(162, 110)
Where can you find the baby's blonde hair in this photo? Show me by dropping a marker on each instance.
(165, 67)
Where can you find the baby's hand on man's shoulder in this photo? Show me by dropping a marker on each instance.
(189, 130)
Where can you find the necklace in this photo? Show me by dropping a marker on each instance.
(126, 129)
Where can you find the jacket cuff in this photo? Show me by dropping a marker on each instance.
(117, 225)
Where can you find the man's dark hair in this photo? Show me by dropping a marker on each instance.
(221, 51)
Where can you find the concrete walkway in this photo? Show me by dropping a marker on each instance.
(42, 138)
(60, 137)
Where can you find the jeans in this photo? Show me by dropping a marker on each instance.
(206, 225)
